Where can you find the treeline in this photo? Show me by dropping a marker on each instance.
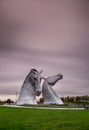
(76, 99)
(84, 98)
(73, 99)
(8, 101)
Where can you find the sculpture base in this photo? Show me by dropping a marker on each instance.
(58, 102)
(22, 102)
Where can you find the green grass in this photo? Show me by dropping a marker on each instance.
(37, 119)
(50, 105)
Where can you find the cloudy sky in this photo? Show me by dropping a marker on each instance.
(52, 35)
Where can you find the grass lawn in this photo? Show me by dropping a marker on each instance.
(36, 119)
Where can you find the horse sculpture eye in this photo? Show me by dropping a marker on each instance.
(35, 78)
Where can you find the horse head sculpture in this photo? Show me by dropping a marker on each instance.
(30, 88)
(35, 79)
(49, 95)
(53, 79)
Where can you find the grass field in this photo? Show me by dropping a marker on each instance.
(36, 119)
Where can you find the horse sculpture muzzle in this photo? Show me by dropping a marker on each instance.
(60, 76)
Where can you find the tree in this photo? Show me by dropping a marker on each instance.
(8, 101)
(1, 103)
(41, 100)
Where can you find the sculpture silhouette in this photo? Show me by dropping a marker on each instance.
(30, 88)
(49, 95)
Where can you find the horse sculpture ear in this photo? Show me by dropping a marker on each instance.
(41, 72)
(33, 70)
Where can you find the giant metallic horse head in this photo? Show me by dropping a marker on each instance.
(35, 79)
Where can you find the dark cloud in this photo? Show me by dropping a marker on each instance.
(49, 35)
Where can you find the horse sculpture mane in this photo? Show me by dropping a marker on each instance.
(30, 88)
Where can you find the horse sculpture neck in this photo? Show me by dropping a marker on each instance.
(49, 95)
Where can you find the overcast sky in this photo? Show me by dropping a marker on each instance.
(52, 35)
